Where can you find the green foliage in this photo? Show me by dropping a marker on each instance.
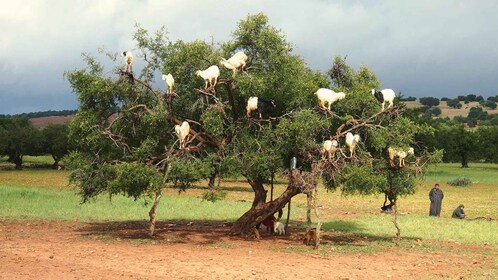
(460, 182)
(133, 179)
(490, 104)
(18, 137)
(184, 172)
(454, 103)
(477, 113)
(213, 196)
(55, 140)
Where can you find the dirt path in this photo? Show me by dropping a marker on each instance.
(69, 250)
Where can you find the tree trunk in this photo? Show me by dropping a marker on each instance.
(395, 222)
(56, 163)
(260, 210)
(465, 161)
(17, 160)
(308, 211)
(152, 213)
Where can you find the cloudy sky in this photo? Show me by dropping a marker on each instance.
(419, 47)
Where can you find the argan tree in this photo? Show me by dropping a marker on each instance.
(124, 128)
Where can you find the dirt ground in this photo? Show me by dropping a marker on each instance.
(122, 250)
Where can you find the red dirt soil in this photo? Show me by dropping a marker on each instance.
(122, 250)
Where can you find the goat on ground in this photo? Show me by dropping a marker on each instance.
(279, 228)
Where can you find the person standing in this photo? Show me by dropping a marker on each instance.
(436, 196)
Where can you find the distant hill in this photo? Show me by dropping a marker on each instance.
(449, 112)
(44, 118)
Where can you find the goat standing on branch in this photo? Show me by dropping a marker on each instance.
(182, 133)
(329, 148)
(328, 96)
(235, 62)
(210, 76)
(400, 154)
(383, 96)
(351, 141)
(259, 104)
(170, 82)
(128, 57)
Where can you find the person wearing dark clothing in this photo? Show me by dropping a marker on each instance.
(436, 196)
(459, 213)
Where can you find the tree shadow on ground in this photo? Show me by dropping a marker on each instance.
(173, 231)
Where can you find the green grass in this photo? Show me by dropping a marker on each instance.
(477, 172)
(414, 227)
(46, 203)
(45, 194)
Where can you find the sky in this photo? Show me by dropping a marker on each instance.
(421, 48)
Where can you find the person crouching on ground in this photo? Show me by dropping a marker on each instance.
(459, 213)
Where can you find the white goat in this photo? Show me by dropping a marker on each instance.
(170, 82)
(235, 62)
(400, 154)
(128, 57)
(351, 141)
(209, 75)
(329, 96)
(279, 228)
(182, 132)
(385, 95)
(329, 148)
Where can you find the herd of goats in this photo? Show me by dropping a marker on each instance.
(326, 98)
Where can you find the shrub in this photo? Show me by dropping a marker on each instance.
(460, 182)
(454, 103)
(429, 101)
(214, 196)
(490, 104)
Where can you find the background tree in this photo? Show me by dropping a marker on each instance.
(18, 137)
(429, 101)
(454, 103)
(458, 143)
(55, 142)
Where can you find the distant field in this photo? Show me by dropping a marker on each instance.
(44, 121)
(447, 111)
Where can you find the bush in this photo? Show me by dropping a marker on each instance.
(214, 196)
(435, 111)
(490, 104)
(445, 99)
(429, 101)
(454, 103)
(460, 182)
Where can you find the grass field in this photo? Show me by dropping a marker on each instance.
(46, 194)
